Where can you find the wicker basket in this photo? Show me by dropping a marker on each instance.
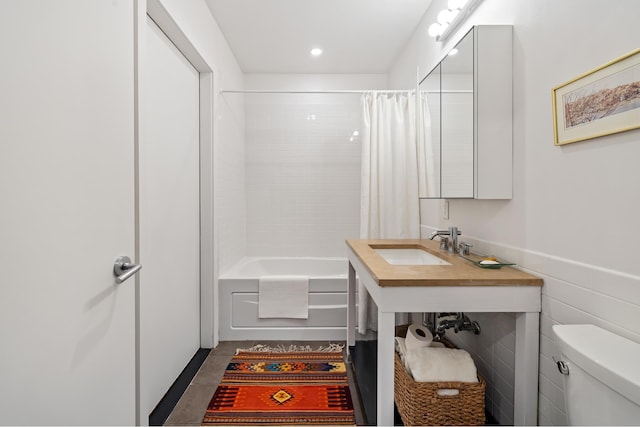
(419, 403)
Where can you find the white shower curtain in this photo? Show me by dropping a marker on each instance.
(428, 185)
(389, 205)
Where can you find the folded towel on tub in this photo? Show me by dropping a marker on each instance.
(429, 364)
(283, 297)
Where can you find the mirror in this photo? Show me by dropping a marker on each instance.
(465, 131)
(456, 99)
(429, 135)
(446, 141)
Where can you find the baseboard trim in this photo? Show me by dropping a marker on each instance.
(166, 405)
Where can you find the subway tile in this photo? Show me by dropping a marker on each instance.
(310, 173)
(553, 415)
(554, 393)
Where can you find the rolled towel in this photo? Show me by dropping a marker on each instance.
(429, 364)
(401, 349)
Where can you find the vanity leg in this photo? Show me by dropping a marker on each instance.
(525, 404)
(386, 344)
(351, 307)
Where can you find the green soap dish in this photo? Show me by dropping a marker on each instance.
(477, 260)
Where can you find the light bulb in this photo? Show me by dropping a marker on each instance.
(316, 51)
(443, 17)
(449, 16)
(435, 29)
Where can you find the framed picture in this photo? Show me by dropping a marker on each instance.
(601, 102)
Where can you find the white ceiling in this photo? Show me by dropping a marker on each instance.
(357, 36)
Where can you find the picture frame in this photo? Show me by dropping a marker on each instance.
(601, 102)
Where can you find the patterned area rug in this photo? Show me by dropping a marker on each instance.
(282, 388)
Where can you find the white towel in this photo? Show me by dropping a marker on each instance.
(283, 297)
(401, 349)
(429, 364)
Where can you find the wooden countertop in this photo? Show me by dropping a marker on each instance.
(461, 272)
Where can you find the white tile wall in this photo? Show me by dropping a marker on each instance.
(229, 155)
(302, 174)
(573, 293)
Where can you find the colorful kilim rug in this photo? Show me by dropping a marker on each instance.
(282, 388)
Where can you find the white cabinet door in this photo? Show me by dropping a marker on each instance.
(67, 330)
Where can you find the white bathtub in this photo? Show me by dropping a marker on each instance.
(238, 293)
(255, 267)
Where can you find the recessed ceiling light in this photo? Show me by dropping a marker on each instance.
(316, 51)
(453, 51)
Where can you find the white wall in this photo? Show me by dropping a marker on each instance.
(302, 170)
(573, 217)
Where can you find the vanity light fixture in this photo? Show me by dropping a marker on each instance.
(449, 19)
(316, 51)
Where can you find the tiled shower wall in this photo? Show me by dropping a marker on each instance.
(302, 170)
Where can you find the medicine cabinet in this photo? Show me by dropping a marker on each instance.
(465, 119)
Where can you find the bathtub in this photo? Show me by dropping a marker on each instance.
(238, 297)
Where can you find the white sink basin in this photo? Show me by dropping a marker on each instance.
(409, 256)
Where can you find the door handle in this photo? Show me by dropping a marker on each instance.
(123, 268)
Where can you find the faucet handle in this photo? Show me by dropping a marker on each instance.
(464, 248)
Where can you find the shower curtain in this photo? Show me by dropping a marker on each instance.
(428, 154)
(389, 204)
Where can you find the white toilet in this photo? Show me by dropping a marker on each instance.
(602, 375)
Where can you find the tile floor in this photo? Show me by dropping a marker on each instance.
(192, 405)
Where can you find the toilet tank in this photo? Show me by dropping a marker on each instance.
(602, 386)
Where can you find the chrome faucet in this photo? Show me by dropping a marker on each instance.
(452, 233)
(460, 323)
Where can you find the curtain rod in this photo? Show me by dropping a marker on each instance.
(448, 91)
(354, 92)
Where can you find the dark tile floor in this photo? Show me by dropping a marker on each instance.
(192, 405)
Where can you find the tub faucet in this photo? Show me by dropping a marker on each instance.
(451, 233)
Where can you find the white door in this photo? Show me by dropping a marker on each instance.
(67, 330)
(169, 216)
